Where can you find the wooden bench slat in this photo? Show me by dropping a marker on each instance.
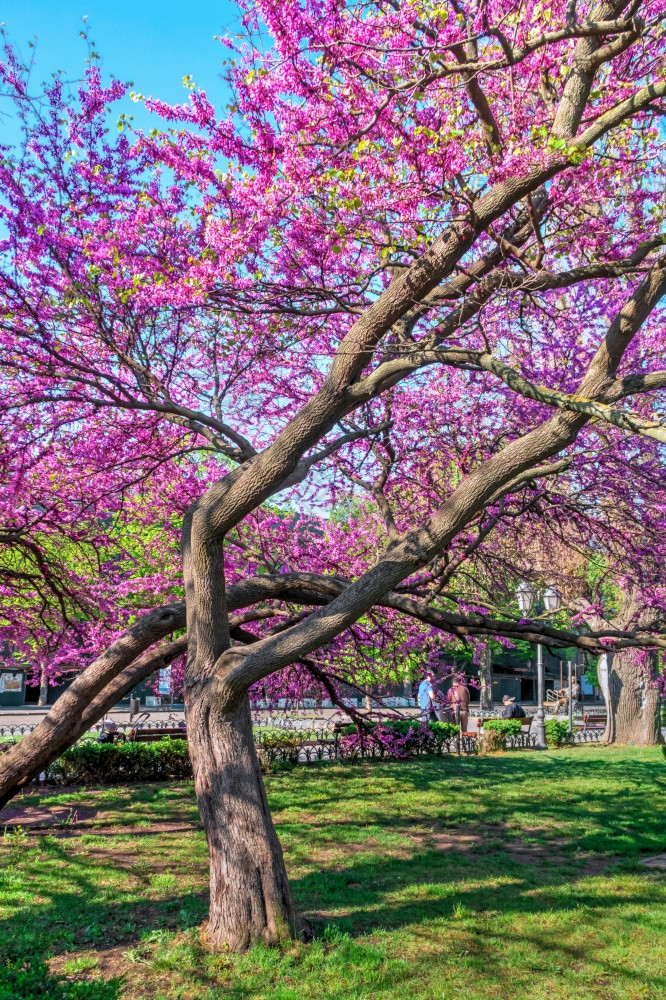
(153, 735)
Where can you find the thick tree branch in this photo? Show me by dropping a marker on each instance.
(623, 419)
(236, 672)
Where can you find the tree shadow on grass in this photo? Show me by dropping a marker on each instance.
(428, 893)
(29, 978)
(70, 923)
(425, 892)
(73, 915)
(514, 767)
(424, 895)
(592, 802)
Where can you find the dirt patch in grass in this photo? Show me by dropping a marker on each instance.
(110, 962)
(489, 838)
(46, 791)
(329, 855)
(46, 817)
(130, 861)
(442, 841)
(114, 830)
(596, 865)
(69, 821)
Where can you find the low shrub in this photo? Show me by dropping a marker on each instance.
(280, 739)
(491, 741)
(442, 730)
(350, 729)
(556, 732)
(505, 727)
(438, 730)
(278, 749)
(108, 763)
(89, 762)
(397, 738)
(402, 726)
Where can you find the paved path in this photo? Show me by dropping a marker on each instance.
(30, 715)
(27, 715)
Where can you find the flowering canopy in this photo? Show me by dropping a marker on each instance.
(395, 254)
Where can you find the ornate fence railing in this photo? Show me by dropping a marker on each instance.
(583, 736)
(322, 731)
(277, 745)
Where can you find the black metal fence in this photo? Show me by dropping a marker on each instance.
(322, 732)
(285, 746)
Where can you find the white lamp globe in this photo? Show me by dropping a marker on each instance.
(525, 595)
(551, 599)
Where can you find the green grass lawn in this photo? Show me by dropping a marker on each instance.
(509, 876)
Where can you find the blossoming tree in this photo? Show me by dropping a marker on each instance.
(417, 267)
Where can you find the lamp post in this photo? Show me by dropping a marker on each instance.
(570, 699)
(525, 595)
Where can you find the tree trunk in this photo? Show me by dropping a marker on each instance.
(632, 701)
(43, 690)
(250, 898)
(486, 679)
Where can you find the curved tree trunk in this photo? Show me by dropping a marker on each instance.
(250, 898)
(632, 702)
(67, 722)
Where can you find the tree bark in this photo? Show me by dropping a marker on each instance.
(486, 679)
(632, 702)
(43, 689)
(250, 898)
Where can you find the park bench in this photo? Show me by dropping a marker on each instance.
(592, 722)
(154, 735)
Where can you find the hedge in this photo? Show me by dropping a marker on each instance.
(101, 763)
(439, 730)
(556, 729)
(167, 759)
(89, 762)
(506, 727)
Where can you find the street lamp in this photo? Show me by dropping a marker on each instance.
(525, 594)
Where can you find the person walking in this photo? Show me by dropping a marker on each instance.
(458, 698)
(427, 699)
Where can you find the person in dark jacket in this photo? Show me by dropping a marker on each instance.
(458, 699)
(109, 732)
(512, 710)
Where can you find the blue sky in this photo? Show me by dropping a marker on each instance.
(152, 44)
